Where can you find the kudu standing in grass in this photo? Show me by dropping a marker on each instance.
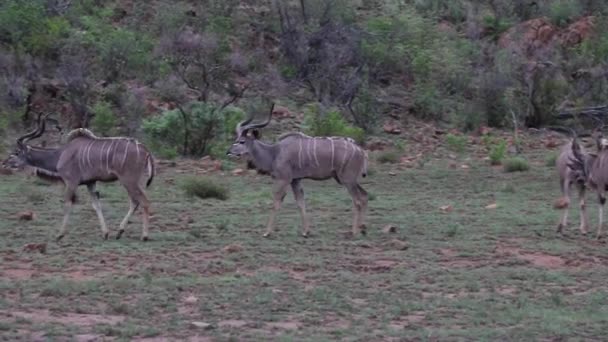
(297, 156)
(593, 170)
(85, 160)
(567, 178)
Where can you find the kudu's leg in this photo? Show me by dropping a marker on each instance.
(97, 206)
(279, 192)
(363, 199)
(137, 197)
(602, 200)
(298, 193)
(68, 198)
(565, 185)
(356, 196)
(581, 198)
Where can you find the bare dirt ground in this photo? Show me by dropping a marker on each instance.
(473, 256)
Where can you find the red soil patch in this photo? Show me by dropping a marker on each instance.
(45, 316)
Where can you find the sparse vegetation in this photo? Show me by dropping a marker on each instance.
(551, 159)
(515, 164)
(388, 157)
(456, 143)
(204, 188)
(497, 152)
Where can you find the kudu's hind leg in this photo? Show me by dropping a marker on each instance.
(602, 201)
(565, 185)
(137, 198)
(581, 198)
(298, 193)
(280, 190)
(69, 197)
(97, 206)
(363, 200)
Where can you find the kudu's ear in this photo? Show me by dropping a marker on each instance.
(256, 134)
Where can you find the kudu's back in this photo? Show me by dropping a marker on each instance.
(322, 157)
(105, 159)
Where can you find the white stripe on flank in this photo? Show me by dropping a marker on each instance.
(308, 151)
(332, 151)
(300, 153)
(346, 144)
(137, 149)
(149, 166)
(314, 150)
(89, 164)
(103, 146)
(124, 158)
(108, 156)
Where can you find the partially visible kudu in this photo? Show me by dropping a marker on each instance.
(297, 156)
(85, 160)
(567, 178)
(593, 170)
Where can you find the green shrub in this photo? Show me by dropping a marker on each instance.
(331, 124)
(456, 143)
(551, 159)
(497, 152)
(515, 164)
(195, 131)
(388, 157)
(104, 120)
(562, 12)
(204, 188)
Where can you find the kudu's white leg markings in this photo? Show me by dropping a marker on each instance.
(314, 151)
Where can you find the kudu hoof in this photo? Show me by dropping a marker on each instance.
(306, 235)
(145, 238)
(106, 235)
(59, 237)
(119, 234)
(266, 235)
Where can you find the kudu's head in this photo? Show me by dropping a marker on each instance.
(246, 134)
(18, 159)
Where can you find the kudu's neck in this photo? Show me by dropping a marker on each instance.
(45, 159)
(263, 155)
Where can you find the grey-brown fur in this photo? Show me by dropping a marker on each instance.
(297, 156)
(567, 178)
(85, 160)
(594, 170)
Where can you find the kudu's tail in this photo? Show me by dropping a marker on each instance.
(364, 168)
(151, 169)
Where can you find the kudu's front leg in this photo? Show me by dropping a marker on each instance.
(602, 201)
(97, 206)
(581, 198)
(280, 190)
(298, 193)
(359, 197)
(69, 198)
(566, 196)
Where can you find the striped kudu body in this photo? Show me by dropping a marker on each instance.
(297, 156)
(593, 170)
(567, 178)
(85, 160)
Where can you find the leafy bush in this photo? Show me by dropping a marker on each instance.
(331, 124)
(515, 164)
(204, 188)
(193, 130)
(456, 143)
(562, 12)
(497, 152)
(388, 157)
(551, 159)
(104, 120)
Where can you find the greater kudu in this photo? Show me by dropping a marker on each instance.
(297, 156)
(592, 169)
(85, 160)
(567, 178)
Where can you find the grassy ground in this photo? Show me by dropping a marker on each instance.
(467, 274)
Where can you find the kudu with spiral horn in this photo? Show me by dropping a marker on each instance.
(592, 169)
(85, 160)
(296, 156)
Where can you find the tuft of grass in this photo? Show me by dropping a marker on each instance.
(388, 157)
(204, 188)
(456, 143)
(551, 159)
(515, 164)
(497, 152)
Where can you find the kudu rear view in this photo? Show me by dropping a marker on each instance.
(297, 156)
(85, 160)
